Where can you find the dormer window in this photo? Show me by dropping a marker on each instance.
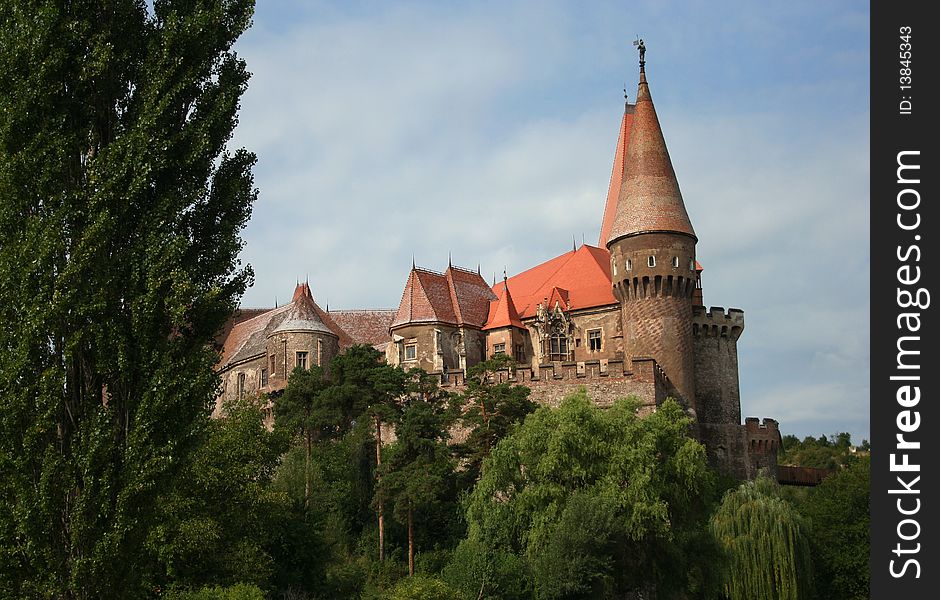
(675, 262)
(651, 261)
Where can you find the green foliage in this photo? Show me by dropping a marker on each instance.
(839, 510)
(240, 591)
(766, 543)
(418, 464)
(363, 384)
(119, 235)
(490, 409)
(223, 522)
(822, 453)
(589, 502)
(423, 587)
(305, 408)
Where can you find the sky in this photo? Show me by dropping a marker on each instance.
(486, 131)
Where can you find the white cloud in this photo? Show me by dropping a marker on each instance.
(413, 132)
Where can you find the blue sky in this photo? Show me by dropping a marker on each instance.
(487, 130)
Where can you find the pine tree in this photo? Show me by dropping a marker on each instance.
(119, 234)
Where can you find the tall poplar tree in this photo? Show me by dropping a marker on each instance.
(120, 212)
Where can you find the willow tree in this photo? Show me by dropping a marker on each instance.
(119, 234)
(766, 544)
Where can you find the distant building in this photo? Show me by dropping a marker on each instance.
(622, 318)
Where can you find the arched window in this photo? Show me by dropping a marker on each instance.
(651, 261)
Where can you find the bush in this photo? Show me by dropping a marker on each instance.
(239, 591)
(423, 587)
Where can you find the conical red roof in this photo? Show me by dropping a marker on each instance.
(616, 174)
(503, 311)
(649, 199)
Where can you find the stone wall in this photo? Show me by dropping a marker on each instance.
(278, 360)
(604, 380)
(439, 346)
(715, 353)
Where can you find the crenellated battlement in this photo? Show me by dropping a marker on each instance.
(715, 322)
(606, 380)
(762, 437)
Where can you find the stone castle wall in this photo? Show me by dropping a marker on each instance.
(715, 353)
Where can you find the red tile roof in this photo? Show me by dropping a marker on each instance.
(457, 296)
(503, 311)
(577, 279)
(616, 174)
(364, 326)
(649, 199)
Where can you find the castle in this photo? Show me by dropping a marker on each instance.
(625, 317)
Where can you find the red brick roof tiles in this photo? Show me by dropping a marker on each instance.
(616, 174)
(364, 326)
(579, 278)
(649, 198)
(503, 311)
(457, 296)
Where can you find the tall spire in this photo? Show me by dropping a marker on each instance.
(649, 199)
(616, 173)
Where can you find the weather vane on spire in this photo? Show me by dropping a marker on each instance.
(642, 48)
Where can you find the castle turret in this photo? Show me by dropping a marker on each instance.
(301, 339)
(652, 246)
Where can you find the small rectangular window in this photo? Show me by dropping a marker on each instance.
(301, 360)
(520, 353)
(629, 264)
(411, 352)
(319, 353)
(272, 365)
(691, 264)
(241, 386)
(594, 340)
(499, 348)
(651, 261)
(264, 378)
(675, 262)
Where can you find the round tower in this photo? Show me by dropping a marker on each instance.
(652, 250)
(300, 339)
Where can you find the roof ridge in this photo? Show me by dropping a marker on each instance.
(452, 288)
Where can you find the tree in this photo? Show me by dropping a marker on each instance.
(418, 466)
(587, 502)
(223, 522)
(490, 409)
(822, 453)
(766, 543)
(370, 387)
(307, 409)
(839, 512)
(119, 235)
